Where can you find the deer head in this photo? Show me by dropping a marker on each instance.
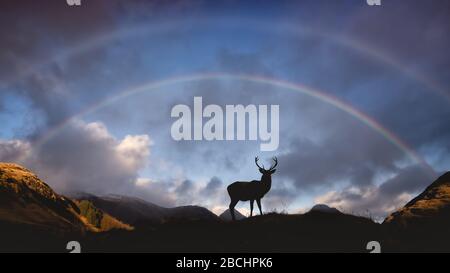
(270, 171)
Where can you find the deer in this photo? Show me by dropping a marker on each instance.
(252, 190)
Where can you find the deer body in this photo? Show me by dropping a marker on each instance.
(251, 191)
(245, 191)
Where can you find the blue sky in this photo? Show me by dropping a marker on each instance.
(389, 62)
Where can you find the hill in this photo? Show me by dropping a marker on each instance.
(423, 223)
(34, 218)
(97, 219)
(432, 204)
(26, 199)
(324, 208)
(138, 212)
(311, 232)
(226, 215)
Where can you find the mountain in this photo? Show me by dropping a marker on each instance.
(137, 212)
(129, 210)
(432, 206)
(99, 220)
(226, 215)
(423, 224)
(190, 213)
(34, 218)
(324, 208)
(27, 200)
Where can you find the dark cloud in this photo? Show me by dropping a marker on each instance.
(411, 179)
(211, 188)
(411, 41)
(24, 40)
(46, 58)
(185, 187)
(351, 155)
(378, 201)
(26, 44)
(186, 193)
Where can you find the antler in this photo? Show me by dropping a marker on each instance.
(256, 162)
(276, 163)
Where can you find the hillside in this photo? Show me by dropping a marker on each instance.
(311, 232)
(34, 218)
(97, 219)
(26, 199)
(433, 203)
(32, 203)
(424, 222)
(137, 212)
(324, 208)
(226, 215)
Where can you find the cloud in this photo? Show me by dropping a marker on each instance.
(84, 157)
(211, 188)
(14, 150)
(279, 199)
(154, 191)
(207, 194)
(133, 151)
(341, 155)
(410, 179)
(378, 201)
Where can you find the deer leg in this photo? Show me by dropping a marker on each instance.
(232, 205)
(251, 207)
(258, 201)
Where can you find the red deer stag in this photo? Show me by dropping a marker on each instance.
(253, 190)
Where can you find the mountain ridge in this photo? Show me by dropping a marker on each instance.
(26, 199)
(136, 211)
(31, 213)
(432, 202)
(226, 215)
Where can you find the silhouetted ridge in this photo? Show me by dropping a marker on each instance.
(138, 212)
(324, 208)
(443, 179)
(226, 215)
(28, 203)
(26, 199)
(423, 223)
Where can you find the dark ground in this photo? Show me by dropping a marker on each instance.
(272, 233)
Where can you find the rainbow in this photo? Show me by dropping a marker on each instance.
(316, 94)
(339, 40)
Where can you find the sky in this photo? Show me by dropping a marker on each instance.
(364, 93)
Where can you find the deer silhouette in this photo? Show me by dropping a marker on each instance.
(253, 190)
